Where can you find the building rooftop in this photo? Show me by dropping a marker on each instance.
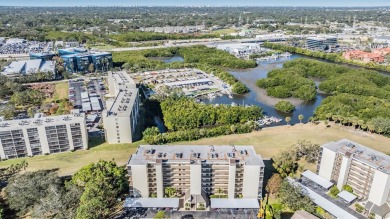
(196, 154)
(368, 156)
(33, 66)
(48, 66)
(40, 120)
(15, 67)
(302, 214)
(234, 203)
(126, 96)
(152, 203)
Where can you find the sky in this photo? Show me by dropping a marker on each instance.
(329, 3)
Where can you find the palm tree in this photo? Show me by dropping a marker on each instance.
(355, 122)
(300, 117)
(360, 123)
(288, 119)
(370, 126)
(335, 118)
(328, 116)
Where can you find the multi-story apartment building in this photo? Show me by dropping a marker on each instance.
(197, 173)
(42, 135)
(121, 116)
(366, 170)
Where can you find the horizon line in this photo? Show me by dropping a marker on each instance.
(197, 6)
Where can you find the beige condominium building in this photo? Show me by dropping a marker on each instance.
(42, 135)
(122, 108)
(366, 170)
(203, 177)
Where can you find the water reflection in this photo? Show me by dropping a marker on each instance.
(249, 77)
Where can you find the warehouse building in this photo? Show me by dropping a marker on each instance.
(203, 177)
(27, 67)
(121, 116)
(42, 135)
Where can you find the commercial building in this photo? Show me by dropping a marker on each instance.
(26, 67)
(45, 56)
(321, 43)
(80, 62)
(204, 177)
(42, 135)
(367, 171)
(121, 116)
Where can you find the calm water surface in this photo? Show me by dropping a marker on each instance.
(249, 77)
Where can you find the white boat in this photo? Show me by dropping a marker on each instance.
(234, 104)
(230, 96)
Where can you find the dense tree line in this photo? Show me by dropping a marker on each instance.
(36, 22)
(137, 36)
(358, 98)
(185, 114)
(288, 82)
(91, 193)
(207, 59)
(334, 57)
(286, 163)
(153, 136)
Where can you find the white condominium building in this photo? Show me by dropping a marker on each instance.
(42, 135)
(121, 116)
(366, 170)
(230, 176)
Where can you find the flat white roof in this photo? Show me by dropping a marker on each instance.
(48, 66)
(347, 196)
(234, 203)
(84, 95)
(177, 83)
(335, 210)
(324, 203)
(317, 179)
(86, 106)
(152, 203)
(33, 66)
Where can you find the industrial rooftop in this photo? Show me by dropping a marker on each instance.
(368, 156)
(196, 154)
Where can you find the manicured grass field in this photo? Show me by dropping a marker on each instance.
(268, 142)
(224, 31)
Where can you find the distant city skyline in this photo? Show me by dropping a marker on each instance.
(288, 3)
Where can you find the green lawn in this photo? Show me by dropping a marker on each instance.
(61, 92)
(225, 31)
(268, 142)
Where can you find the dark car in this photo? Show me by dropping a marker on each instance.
(187, 216)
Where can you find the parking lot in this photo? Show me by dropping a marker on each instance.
(19, 46)
(87, 97)
(143, 213)
(193, 82)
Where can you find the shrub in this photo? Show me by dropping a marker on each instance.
(284, 106)
(334, 191)
(279, 92)
(359, 208)
(348, 188)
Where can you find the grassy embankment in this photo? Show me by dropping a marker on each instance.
(268, 142)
